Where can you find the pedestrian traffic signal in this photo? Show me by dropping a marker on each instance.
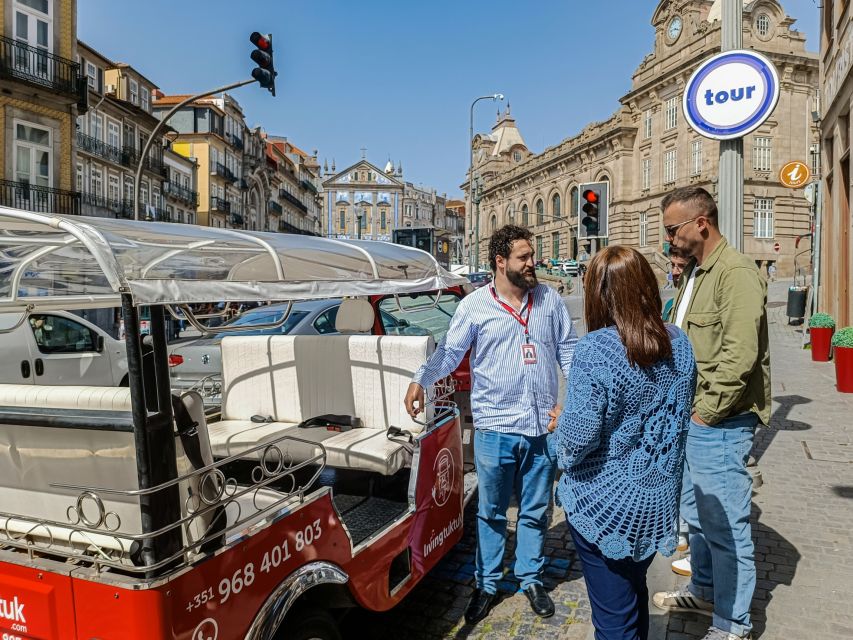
(262, 56)
(593, 210)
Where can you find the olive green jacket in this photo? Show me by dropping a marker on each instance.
(726, 322)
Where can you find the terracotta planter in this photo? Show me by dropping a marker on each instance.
(821, 343)
(843, 357)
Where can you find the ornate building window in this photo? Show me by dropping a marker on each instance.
(573, 197)
(644, 229)
(555, 205)
(671, 113)
(539, 246)
(493, 223)
(647, 124)
(647, 173)
(670, 166)
(695, 157)
(762, 25)
(540, 212)
(555, 245)
(516, 155)
(762, 222)
(525, 216)
(762, 154)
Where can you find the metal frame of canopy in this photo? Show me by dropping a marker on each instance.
(62, 262)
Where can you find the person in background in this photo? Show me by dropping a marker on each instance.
(677, 264)
(771, 272)
(519, 331)
(620, 439)
(721, 306)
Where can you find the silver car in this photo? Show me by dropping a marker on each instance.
(198, 363)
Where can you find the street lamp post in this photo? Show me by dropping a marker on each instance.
(476, 225)
(476, 196)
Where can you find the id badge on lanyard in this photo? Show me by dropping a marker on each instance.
(528, 349)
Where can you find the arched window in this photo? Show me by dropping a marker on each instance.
(525, 216)
(573, 196)
(762, 25)
(540, 212)
(493, 223)
(555, 205)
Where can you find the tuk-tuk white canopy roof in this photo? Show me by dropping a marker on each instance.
(71, 262)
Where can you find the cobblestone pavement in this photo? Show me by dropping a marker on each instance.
(802, 524)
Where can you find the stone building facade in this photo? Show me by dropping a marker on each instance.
(42, 91)
(834, 295)
(646, 149)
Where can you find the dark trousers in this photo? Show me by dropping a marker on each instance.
(617, 592)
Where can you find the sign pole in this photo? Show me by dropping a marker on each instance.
(730, 198)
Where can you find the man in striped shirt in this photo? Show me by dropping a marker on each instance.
(519, 332)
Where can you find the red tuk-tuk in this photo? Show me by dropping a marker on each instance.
(138, 513)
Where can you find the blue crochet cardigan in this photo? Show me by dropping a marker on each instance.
(620, 443)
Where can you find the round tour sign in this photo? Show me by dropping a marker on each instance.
(794, 174)
(731, 94)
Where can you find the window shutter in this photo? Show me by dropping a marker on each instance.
(100, 80)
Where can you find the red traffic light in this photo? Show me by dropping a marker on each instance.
(260, 41)
(590, 196)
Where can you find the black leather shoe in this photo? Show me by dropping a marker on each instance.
(540, 601)
(478, 608)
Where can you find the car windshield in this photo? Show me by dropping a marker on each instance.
(478, 277)
(265, 317)
(419, 314)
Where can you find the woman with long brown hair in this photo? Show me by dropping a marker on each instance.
(620, 440)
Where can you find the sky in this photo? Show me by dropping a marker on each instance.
(397, 78)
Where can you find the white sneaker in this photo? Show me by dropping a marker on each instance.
(683, 542)
(682, 567)
(683, 600)
(718, 634)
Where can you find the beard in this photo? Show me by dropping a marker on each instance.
(523, 279)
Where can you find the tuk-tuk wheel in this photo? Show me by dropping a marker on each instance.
(311, 624)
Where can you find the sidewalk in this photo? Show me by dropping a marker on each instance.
(802, 524)
(803, 514)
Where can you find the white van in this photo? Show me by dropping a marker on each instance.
(59, 348)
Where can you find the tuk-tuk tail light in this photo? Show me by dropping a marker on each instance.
(175, 360)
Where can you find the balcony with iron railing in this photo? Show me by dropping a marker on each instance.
(286, 227)
(154, 162)
(220, 205)
(23, 195)
(40, 68)
(222, 171)
(292, 199)
(234, 141)
(178, 192)
(275, 208)
(95, 204)
(99, 148)
(308, 186)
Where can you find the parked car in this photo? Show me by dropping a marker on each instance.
(479, 278)
(193, 360)
(569, 268)
(59, 348)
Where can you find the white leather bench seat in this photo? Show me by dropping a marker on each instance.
(367, 449)
(294, 378)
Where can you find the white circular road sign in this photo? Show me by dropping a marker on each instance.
(731, 94)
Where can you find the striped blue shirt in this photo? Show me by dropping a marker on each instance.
(507, 395)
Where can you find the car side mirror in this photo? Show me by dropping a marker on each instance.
(99, 344)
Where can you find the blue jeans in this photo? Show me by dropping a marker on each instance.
(510, 463)
(617, 590)
(716, 506)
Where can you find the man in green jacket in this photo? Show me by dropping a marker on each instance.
(722, 307)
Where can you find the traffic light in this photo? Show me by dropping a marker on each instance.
(264, 73)
(593, 210)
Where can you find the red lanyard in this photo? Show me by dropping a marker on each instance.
(515, 314)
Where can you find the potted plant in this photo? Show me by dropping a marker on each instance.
(842, 343)
(821, 328)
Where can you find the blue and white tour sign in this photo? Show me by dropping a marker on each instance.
(731, 94)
